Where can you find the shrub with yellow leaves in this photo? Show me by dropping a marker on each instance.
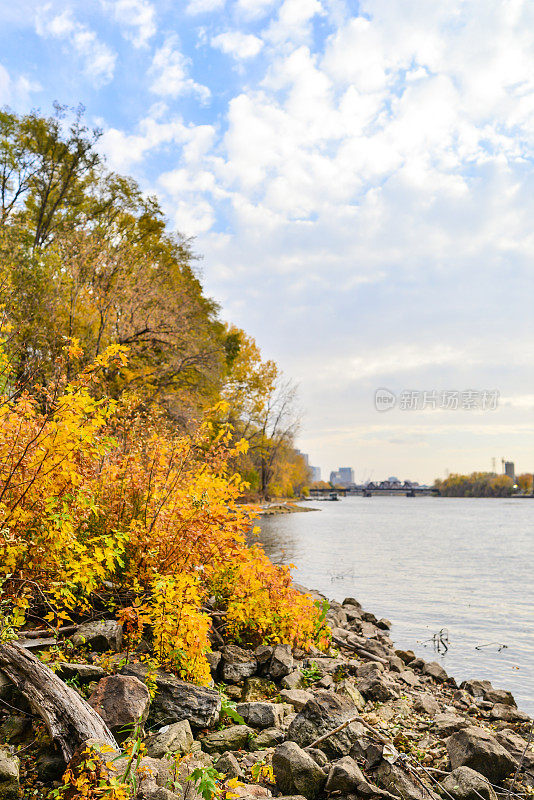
(96, 494)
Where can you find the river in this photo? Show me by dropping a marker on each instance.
(427, 564)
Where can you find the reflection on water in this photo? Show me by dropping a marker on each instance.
(427, 564)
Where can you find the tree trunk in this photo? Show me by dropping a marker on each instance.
(69, 719)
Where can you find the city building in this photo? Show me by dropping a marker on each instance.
(509, 469)
(315, 474)
(305, 456)
(344, 476)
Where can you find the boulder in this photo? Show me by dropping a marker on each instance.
(296, 697)
(237, 664)
(122, 701)
(213, 659)
(369, 668)
(409, 678)
(347, 688)
(476, 688)
(235, 737)
(9, 775)
(446, 724)
(83, 673)
(100, 635)
(426, 704)
(464, 783)
(500, 696)
(261, 715)
(174, 738)
(269, 737)
(319, 716)
(281, 662)
(399, 783)
(378, 687)
(367, 750)
(293, 680)
(228, 765)
(296, 772)
(508, 713)
(405, 655)
(517, 747)
(396, 664)
(176, 700)
(478, 749)
(346, 777)
(435, 671)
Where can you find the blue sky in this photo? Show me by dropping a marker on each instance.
(359, 180)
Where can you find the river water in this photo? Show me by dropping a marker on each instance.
(427, 564)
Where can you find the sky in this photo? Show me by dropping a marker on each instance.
(358, 177)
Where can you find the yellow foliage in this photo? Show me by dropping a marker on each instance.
(95, 494)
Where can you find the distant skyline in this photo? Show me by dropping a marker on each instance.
(359, 179)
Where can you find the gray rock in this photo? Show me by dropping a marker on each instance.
(101, 635)
(346, 777)
(409, 678)
(378, 687)
(84, 673)
(347, 688)
(369, 668)
(296, 772)
(476, 688)
(426, 704)
(367, 750)
(176, 700)
(261, 715)
(464, 783)
(293, 680)
(174, 738)
(435, 671)
(237, 664)
(9, 776)
(405, 655)
(213, 659)
(399, 783)
(233, 738)
(446, 724)
(122, 701)
(517, 747)
(351, 601)
(296, 697)
(270, 737)
(396, 664)
(16, 729)
(281, 662)
(229, 766)
(500, 696)
(319, 716)
(508, 713)
(478, 749)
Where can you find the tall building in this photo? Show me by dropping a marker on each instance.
(316, 473)
(509, 469)
(305, 456)
(342, 477)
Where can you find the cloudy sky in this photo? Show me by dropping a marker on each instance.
(359, 178)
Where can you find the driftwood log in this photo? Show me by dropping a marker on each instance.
(70, 721)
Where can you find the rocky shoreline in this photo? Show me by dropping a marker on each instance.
(365, 721)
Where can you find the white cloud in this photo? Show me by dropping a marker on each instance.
(98, 59)
(170, 73)
(237, 44)
(204, 6)
(136, 17)
(16, 91)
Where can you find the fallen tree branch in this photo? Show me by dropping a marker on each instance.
(44, 631)
(69, 720)
(359, 650)
(356, 718)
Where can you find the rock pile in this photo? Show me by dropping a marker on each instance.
(369, 721)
